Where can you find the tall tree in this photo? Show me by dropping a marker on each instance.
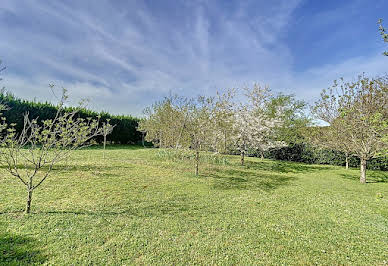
(360, 110)
(201, 126)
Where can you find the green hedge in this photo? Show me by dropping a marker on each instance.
(125, 131)
(307, 154)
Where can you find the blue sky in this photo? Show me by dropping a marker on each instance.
(124, 55)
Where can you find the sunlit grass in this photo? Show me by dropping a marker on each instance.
(138, 207)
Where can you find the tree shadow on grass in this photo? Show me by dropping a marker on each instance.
(371, 176)
(178, 204)
(249, 180)
(96, 170)
(19, 250)
(156, 210)
(284, 167)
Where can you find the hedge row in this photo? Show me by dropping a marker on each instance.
(307, 154)
(124, 132)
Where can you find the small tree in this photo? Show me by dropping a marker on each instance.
(223, 120)
(358, 112)
(201, 126)
(31, 155)
(106, 129)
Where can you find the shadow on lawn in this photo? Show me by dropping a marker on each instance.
(19, 250)
(96, 170)
(371, 176)
(176, 204)
(284, 167)
(249, 180)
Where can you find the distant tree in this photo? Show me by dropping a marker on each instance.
(292, 114)
(383, 33)
(328, 109)
(31, 155)
(165, 122)
(358, 113)
(223, 120)
(332, 137)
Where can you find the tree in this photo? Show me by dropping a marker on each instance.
(223, 120)
(253, 126)
(201, 126)
(165, 122)
(106, 129)
(292, 114)
(383, 33)
(182, 123)
(332, 137)
(358, 112)
(31, 155)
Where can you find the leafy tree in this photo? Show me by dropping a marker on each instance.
(253, 126)
(358, 113)
(292, 114)
(165, 122)
(383, 33)
(201, 126)
(30, 156)
(223, 120)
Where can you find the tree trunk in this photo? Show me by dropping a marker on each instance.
(29, 199)
(103, 153)
(225, 144)
(262, 155)
(347, 161)
(196, 161)
(242, 157)
(363, 171)
(142, 138)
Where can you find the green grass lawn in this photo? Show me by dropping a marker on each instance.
(136, 207)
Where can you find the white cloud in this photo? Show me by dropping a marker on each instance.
(125, 57)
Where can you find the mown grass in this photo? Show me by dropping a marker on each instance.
(136, 207)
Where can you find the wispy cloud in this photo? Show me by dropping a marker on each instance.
(124, 55)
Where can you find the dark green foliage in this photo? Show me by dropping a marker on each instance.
(309, 154)
(125, 131)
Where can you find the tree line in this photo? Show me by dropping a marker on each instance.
(255, 119)
(249, 121)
